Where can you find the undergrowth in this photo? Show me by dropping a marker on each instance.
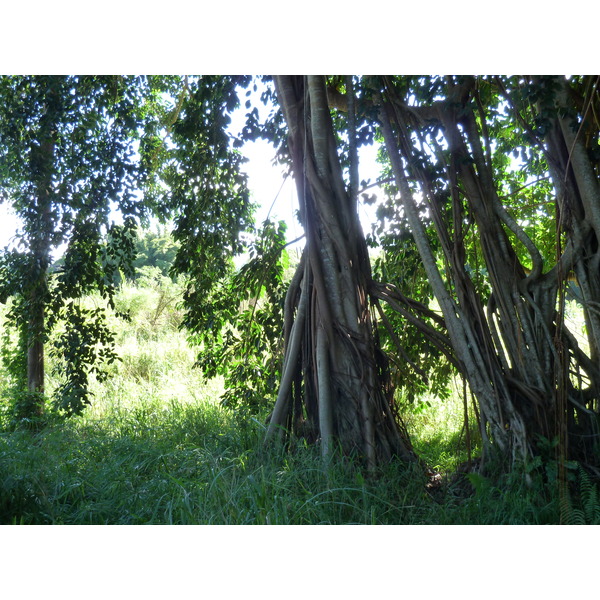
(156, 447)
(172, 463)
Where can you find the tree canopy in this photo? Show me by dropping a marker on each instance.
(69, 157)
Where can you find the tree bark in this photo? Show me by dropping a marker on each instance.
(517, 356)
(333, 367)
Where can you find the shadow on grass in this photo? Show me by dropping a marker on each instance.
(189, 464)
(197, 464)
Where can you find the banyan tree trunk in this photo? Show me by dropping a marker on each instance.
(520, 360)
(335, 388)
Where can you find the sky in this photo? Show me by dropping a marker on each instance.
(8, 224)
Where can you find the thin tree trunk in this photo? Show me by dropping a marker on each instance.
(41, 225)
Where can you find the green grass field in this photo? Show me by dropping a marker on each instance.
(156, 447)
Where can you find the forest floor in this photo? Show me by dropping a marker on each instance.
(156, 447)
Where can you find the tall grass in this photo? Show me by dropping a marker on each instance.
(156, 447)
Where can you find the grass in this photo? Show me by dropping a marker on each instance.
(156, 447)
(194, 464)
(184, 465)
(438, 434)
